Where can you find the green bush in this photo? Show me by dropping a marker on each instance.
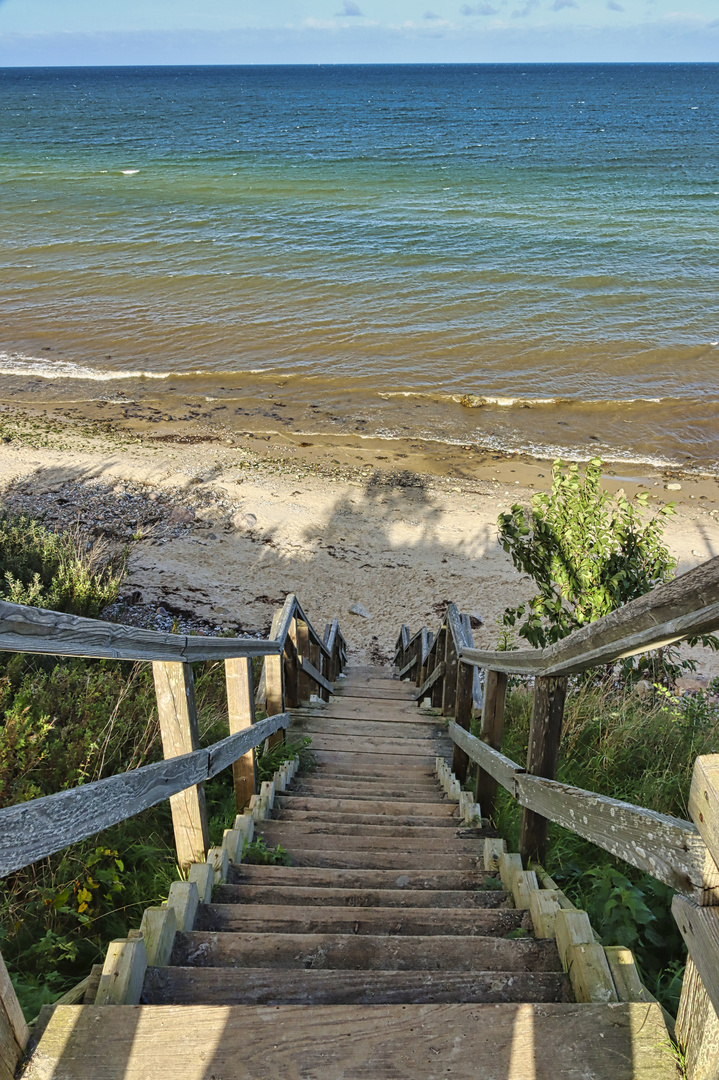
(587, 552)
(62, 571)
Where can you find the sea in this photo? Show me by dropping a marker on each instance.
(518, 257)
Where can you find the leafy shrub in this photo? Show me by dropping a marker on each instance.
(57, 570)
(257, 853)
(587, 552)
(269, 761)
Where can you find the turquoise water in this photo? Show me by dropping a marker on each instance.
(382, 240)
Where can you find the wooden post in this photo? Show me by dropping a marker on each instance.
(14, 1032)
(449, 691)
(301, 638)
(463, 717)
(175, 692)
(437, 690)
(545, 735)
(241, 712)
(495, 693)
(698, 1019)
(275, 682)
(423, 667)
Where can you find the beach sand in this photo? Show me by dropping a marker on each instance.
(222, 526)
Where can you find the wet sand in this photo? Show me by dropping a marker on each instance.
(242, 518)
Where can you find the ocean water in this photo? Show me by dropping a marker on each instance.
(379, 241)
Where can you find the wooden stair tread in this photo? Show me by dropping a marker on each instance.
(387, 807)
(360, 899)
(350, 878)
(291, 829)
(389, 729)
(355, 1042)
(206, 948)
(312, 919)
(296, 838)
(329, 816)
(265, 986)
(429, 860)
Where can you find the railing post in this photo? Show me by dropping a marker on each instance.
(302, 644)
(14, 1032)
(449, 682)
(292, 668)
(545, 734)
(175, 692)
(241, 713)
(463, 717)
(275, 682)
(697, 1019)
(495, 693)
(423, 667)
(437, 691)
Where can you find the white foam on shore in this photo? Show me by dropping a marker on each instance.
(32, 367)
(505, 402)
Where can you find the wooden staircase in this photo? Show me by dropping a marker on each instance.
(386, 951)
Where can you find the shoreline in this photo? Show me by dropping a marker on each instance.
(221, 526)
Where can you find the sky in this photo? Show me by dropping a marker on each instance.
(69, 32)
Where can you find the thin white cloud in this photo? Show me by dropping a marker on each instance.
(350, 8)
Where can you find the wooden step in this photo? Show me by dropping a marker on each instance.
(379, 712)
(366, 952)
(290, 829)
(560, 1041)
(365, 819)
(370, 763)
(308, 919)
(409, 749)
(350, 791)
(398, 691)
(265, 986)
(294, 839)
(380, 729)
(322, 877)
(389, 807)
(473, 899)
(383, 860)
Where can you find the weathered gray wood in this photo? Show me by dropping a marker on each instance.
(35, 630)
(14, 1032)
(545, 733)
(123, 972)
(311, 672)
(685, 607)
(274, 667)
(454, 640)
(303, 646)
(502, 768)
(32, 830)
(436, 674)
(699, 926)
(704, 801)
(463, 718)
(174, 689)
(223, 753)
(408, 666)
(241, 715)
(668, 848)
(495, 691)
(698, 1027)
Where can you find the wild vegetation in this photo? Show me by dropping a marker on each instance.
(589, 553)
(65, 722)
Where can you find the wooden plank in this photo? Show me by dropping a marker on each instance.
(32, 830)
(571, 928)
(274, 668)
(123, 973)
(384, 1042)
(311, 672)
(699, 926)
(589, 974)
(174, 689)
(545, 733)
(370, 952)
(495, 691)
(36, 630)
(704, 801)
(14, 1032)
(698, 1027)
(241, 715)
(454, 639)
(158, 928)
(183, 899)
(687, 606)
(665, 847)
(543, 907)
(432, 678)
(408, 666)
(502, 768)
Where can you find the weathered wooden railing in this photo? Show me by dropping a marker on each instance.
(297, 663)
(683, 854)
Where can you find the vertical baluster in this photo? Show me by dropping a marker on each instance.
(495, 692)
(545, 735)
(241, 714)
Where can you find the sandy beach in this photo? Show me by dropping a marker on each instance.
(221, 528)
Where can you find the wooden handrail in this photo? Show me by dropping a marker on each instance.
(31, 830)
(687, 606)
(37, 630)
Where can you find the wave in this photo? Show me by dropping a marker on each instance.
(476, 401)
(17, 364)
